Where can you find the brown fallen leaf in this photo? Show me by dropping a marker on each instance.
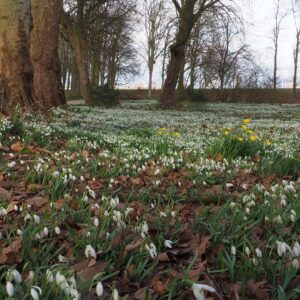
(11, 254)
(17, 147)
(158, 286)
(4, 194)
(59, 204)
(85, 153)
(37, 202)
(86, 273)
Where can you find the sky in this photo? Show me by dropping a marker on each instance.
(259, 16)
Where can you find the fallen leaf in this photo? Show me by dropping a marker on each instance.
(17, 147)
(85, 273)
(11, 254)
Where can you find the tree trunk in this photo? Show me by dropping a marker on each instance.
(296, 58)
(16, 72)
(80, 51)
(44, 52)
(150, 82)
(169, 89)
(275, 64)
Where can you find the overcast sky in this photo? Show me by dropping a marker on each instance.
(259, 15)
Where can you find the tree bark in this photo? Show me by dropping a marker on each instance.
(44, 52)
(296, 58)
(16, 72)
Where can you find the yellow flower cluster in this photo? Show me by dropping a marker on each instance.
(165, 131)
(240, 135)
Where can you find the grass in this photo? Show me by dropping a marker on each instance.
(150, 202)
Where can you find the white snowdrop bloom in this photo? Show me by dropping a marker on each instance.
(96, 222)
(254, 261)
(90, 252)
(55, 174)
(19, 232)
(37, 236)
(162, 214)
(49, 276)
(295, 263)
(99, 289)
(233, 250)
(115, 294)
(282, 248)
(10, 290)
(152, 250)
(31, 276)
(168, 243)
(247, 250)
(173, 214)
(16, 207)
(92, 193)
(296, 249)
(247, 210)
(232, 204)
(62, 258)
(258, 252)
(59, 278)
(245, 186)
(34, 294)
(278, 219)
(128, 211)
(292, 218)
(15, 276)
(88, 234)
(198, 290)
(228, 185)
(74, 294)
(283, 200)
(114, 202)
(57, 230)
(11, 164)
(37, 219)
(3, 212)
(45, 231)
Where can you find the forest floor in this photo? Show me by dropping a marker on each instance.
(139, 203)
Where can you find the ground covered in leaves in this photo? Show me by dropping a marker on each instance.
(140, 203)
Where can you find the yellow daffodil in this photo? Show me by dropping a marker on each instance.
(268, 142)
(249, 131)
(226, 132)
(244, 127)
(247, 121)
(253, 138)
(240, 139)
(176, 134)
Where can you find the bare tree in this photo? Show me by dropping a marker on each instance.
(279, 17)
(295, 11)
(154, 15)
(189, 11)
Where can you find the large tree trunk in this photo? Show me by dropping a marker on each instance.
(16, 72)
(44, 52)
(80, 51)
(169, 89)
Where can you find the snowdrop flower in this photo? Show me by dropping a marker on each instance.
(16, 276)
(198, 290)
(57, 230)
(90, 252)
(247, 250)
(295, 263)
(115, 294)
(228, 185)
(278, 219)
(62, 259)
(168, 243)
(296, 249)
(282, 247)
(163, 215)
(34, 293)
(37, 219)
(233, 250)
(49, 276)
(3, 212)
(10, 290)
(173, 214)
(31, 276)
(152, 250)
(128, 211)
(96, 222)
(283, 200)
(99, 289)
(258, 252)
(45, 231)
